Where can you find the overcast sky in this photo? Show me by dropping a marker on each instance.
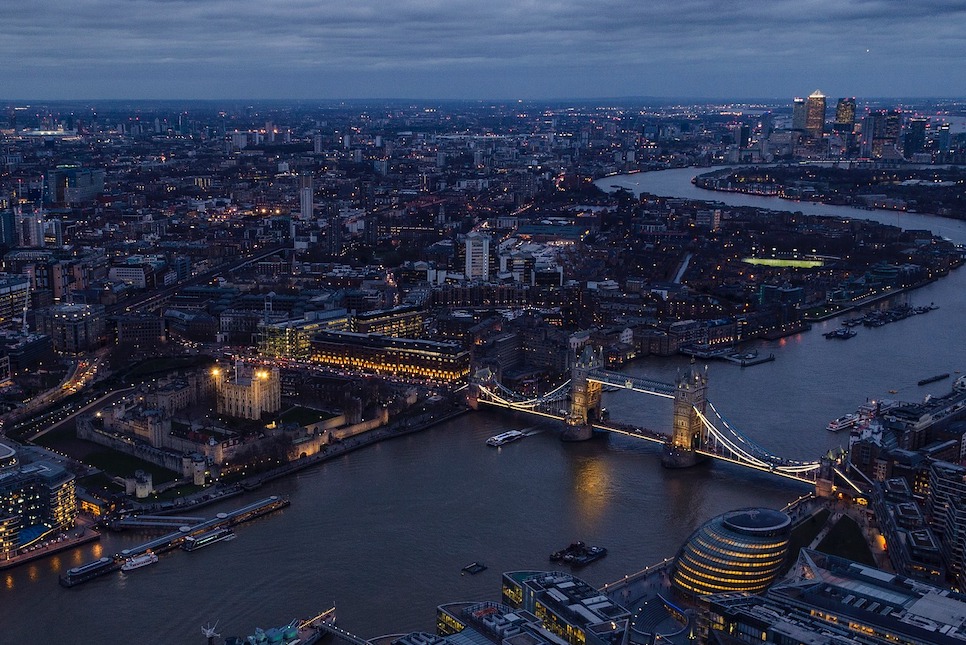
(506, 49)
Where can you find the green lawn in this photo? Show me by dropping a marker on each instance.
(846, 540)
(304, 416)
(122, 465)
(176, 492)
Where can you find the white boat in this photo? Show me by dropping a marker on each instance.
(505, 437)
(139, 561)
(959, 385)
(842, 423)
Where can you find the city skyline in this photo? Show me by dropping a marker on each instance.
(101, 49)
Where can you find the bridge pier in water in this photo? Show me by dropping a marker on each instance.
(689, 433)
(584, 397)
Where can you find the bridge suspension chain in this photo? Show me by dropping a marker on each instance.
(758, 457)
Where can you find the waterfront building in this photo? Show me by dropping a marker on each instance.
(482, 622)
(946, 511)
(35, 499)
(828, 600)
(569, 608)
(913, 547)
(73, 328)
(383, 355)
(815, 114)
(741, 550)
(247, 391)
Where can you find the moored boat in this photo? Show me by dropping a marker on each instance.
(138, 561)
(195, 542)
(933, 379)
(842, 423)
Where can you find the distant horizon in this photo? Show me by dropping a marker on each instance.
(697, 100)
(153, 49)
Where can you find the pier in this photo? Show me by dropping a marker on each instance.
(95, 568)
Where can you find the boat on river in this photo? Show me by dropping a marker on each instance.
(504, 437)
(933, 379)
(578, 554)
(842, 423)
(138, 561)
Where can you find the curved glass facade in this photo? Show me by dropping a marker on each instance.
(738, 551)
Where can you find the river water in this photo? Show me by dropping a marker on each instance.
(383, 532)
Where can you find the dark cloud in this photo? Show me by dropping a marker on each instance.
(475, 48)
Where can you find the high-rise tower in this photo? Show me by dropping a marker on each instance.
(914, 140)
(845, 115)
(798, 114)
(306, 197)
(477, 256)
(815, 114)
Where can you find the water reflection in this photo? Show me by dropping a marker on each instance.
(592, 488)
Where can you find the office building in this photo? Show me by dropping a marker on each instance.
(946, 510)
(14, 296)
(845, 115)
(72, 184)
(570, 608)
(35, 499)
(383, 355)
(73, 328)
(914, 140)
(798, 114)
(815, 114)
(306, 197)
(739, 551)
(477, 249)
(828, 600)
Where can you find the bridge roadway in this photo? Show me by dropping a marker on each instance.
(551, 411)
(635, 383)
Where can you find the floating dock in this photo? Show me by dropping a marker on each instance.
(104, 565)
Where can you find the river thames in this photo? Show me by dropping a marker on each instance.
(383, 532)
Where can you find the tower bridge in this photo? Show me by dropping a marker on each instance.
(698, 430)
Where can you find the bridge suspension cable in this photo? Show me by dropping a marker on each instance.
(754, 455)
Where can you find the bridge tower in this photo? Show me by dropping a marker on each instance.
(689, 433)
(584, 397)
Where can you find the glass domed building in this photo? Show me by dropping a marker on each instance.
(741, 550)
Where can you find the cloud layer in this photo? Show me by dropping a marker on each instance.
(477, 49)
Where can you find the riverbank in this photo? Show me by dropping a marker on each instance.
(219, 493)
(893, 196)
(83, 535)
(869, 300)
